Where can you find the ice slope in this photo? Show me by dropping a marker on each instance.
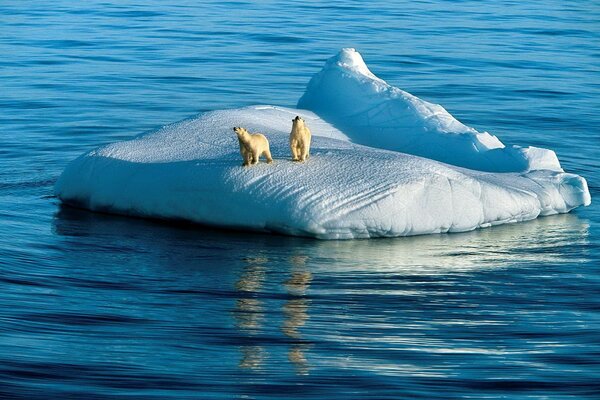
(192, 170)
(376, 114)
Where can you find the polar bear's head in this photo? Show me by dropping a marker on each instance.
(241, 132)
(298, 121)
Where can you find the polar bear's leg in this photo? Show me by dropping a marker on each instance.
(245, 157)
(267, 154)
(294, 148)
(254, 157)
(303, 150)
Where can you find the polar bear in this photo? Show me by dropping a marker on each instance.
(299, 140)
(252, 146)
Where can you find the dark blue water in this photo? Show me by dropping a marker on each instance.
(96, 306)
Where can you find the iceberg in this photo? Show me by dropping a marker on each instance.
(383, 163)
(376, 114)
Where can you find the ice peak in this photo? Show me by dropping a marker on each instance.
(350, 59)
(372, 112)
(348, 56)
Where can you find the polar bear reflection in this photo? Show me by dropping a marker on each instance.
(249, 313)
(295, 311)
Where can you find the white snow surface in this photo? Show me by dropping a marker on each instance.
(372, 112)
(191, 170)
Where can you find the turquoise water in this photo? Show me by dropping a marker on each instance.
(97, 306)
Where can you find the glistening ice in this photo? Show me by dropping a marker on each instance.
(383, 163)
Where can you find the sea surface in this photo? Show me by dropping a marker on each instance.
(95, 306)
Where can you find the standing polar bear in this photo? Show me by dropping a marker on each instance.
(299, 140)
(252, 146)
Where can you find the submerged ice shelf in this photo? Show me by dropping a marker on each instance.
(367, 175)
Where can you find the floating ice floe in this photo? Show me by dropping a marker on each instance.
(383, 163)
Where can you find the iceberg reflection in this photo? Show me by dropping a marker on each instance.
(543, 240)
(297, 305)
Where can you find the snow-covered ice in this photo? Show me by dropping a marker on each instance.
(359, 182)
(376, 114)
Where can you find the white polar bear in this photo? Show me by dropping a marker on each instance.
(252, 146)
(299, 140)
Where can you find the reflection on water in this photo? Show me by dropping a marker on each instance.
(413, 312)
(295, 312)
(543, 240)
(249, 311)
(539, 241)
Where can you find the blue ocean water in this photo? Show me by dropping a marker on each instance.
(95, 306)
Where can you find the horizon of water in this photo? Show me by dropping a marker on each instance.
(97, 306)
